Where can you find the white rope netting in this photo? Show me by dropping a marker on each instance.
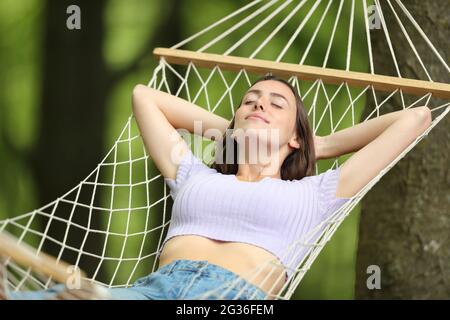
(127, 196)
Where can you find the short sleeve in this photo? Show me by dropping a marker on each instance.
(327, 186)
(188, 166)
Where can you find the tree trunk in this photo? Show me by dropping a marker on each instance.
(405, 218)
(70, 141)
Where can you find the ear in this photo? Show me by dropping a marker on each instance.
(293, 143)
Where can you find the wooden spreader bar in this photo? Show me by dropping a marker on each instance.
(283, 69)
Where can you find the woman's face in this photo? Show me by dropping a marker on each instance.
(274, 102)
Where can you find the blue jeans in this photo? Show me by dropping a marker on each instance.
(180, 279)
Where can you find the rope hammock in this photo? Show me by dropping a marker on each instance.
(300, 40)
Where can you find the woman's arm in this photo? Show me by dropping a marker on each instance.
(158, 115)
(181, 113)
(356, 137)
(377, 143)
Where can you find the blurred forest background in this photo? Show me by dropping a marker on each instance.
(65, 95)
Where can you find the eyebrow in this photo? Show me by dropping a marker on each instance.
(274, 94)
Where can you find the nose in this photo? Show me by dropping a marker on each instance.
(259, 104)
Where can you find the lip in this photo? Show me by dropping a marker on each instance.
(258, 116)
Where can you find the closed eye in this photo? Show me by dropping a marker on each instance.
(277, 106)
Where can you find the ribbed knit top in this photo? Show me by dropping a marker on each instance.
(271, 213)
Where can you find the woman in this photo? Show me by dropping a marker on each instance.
(264, 205)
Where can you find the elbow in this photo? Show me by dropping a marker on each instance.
(139, 89)
(141, 94)
(418, 119)
(423, 116)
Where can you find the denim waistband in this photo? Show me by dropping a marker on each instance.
(208, 269)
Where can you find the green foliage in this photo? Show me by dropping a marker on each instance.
(20, 37)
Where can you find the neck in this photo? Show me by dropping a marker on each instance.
(258, 165)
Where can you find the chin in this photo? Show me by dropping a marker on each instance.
(252, 135)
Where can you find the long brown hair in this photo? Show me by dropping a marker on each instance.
(298, 164)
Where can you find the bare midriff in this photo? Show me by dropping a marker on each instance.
(241, 258)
